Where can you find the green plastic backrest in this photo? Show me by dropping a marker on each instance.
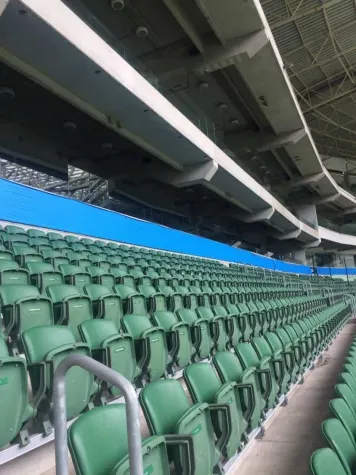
(36, 233)
(10, 293)
(54, 236)
(261, 346)
(247, 355)
(137, 304)
(202, 381)
(187, 315)
(341, 410)
(69, 269)
(273, 340)
(39, 267)
(124, 291)
(38, 341)
(165, 319)
(205, 312)
(220, 310)
(340, 441)
(164, 403)
(228, 366)
(146, 290)
(94, 332)
(96, 291)
(136, 324)
(283, 336)
(348, 379)
(70, 238)
(14, 229)
(59, 292)
(7, 265)
(326, 462)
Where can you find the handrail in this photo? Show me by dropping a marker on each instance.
(60, 410)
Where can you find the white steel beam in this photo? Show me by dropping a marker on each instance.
(283, 140)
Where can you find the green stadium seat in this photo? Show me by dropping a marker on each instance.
(249, 359)
(43, 274)
(77, 259)
(54, 236)
(101, 260)
(287, 353)
(342, 411)
(101, 276)
(16, 410)
(115, 350)
(10, 240)
(78, 247)
(37, 233)
(23, 307)
(45, 347)
(218, 327)
(168, 412)
(326, 462)
(105, 304)
(71, 308)
(5, 255)
(40, 244)
(204, 386)
(75, 275)
(229, 369)
(55, 258)
(23, 255)
(10, 273)
(106, 452)
(10, 229)
(71, 239)
(280, 370)
(341, 442)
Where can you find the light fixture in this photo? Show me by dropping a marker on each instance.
(234, 122)
(117, 4)
(222, 107)
(203, 86)
(141, 31)
(7, 93)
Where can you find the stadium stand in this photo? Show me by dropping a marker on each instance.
(239, 337)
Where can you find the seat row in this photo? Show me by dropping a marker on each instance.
(339, 432)
(230, 398)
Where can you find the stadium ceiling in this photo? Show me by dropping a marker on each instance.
(317, 42)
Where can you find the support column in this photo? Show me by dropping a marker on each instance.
(299, 256)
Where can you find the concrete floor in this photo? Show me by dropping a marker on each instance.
(292, 434)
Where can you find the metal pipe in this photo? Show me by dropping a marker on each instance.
(60, 411)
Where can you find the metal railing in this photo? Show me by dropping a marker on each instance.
(60, 411)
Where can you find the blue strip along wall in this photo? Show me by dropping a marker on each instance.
(26, 205)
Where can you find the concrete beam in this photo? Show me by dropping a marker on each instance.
(349, 211)
(283, 140)
(193, 175)
(315, 243)
(290, 235)
(306, 180)
(222, 57)
(263, 215)
(325, 199)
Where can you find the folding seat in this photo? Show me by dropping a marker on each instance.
(11, 273)
(204, 386)
(71, 239)
(101, 260)
(347, 378)
(113, 245)
(23, 255)
(78, 247)
(16, 410)
(168, 412)
(298, 339)
(99, 243)
(234, 324)
(344, 392)
(54, 236)
(280, 370)
(5, 255)
(326, 462)
(119, 273)
(94, 249)
(75, 275)
(150, 341)
(115, 261)
(43, 274)
(340, 441)
(45, 347)
(77, 259)
(71, 308)
(179, 341)
(10, 229)
(105, 304)
(341, 410)
(229, 369)
(23, 307)
(247, 320)
(112, 348)
(61, 245)
(40, 244)
(218, 327)
(10, 240)
(290, 363)
(55, 258)
(101, 276)
(249, 359)
(87, 241)
(36, 233)
(111, 446)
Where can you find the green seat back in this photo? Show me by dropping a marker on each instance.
(10, 273)
(101, 276)
(52, 344)
(75, 275)
(201, 339)
(340, 441)
(105, 304)
(326, 462)
(341, 410)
